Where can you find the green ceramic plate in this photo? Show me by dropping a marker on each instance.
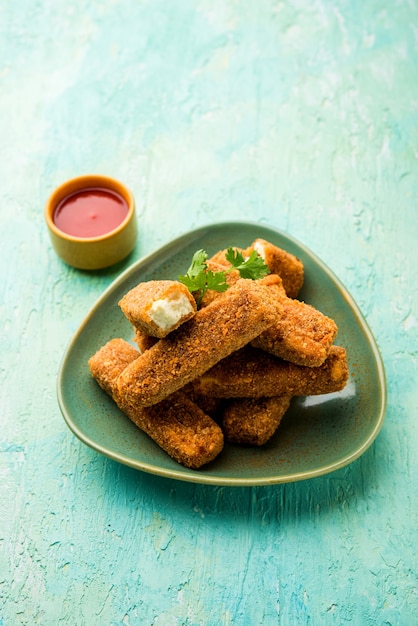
(318, 434)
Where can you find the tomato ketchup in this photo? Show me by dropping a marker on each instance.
(90, 212)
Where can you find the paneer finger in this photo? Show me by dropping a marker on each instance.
(177, 424)
(232, 320)
(303, 335)
(253, 421)
(279, 261)
(157, 307)
(286, 265)
(253, 373)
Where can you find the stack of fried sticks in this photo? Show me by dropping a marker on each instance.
(226, 369)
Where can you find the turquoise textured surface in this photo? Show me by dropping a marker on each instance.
(298, 115)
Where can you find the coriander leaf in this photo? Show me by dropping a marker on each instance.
(216, 281)
(253, 267)
(234, 257)
(193, 283)
(199, 279)
(198, 263)
(195, 278)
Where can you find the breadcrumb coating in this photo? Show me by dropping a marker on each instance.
(303, 335)
(226, 371)
(143, 341)
(157, 307)
(108, 363)
(279, 261)
(286, 265)
(253, 421)
(253, 373)
(227, 324)
(177, 424)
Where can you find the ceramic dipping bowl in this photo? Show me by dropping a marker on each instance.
(91, 221)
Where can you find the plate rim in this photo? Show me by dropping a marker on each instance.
(199, 476)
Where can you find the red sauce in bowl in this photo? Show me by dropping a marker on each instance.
(90, 212)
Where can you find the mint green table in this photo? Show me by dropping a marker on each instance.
(298, 115)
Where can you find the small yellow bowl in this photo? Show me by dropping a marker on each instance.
(92, 253)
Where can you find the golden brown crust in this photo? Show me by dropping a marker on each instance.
(253, 421)
(253, 373)
(225, 325)
(144, 341)
(238, 360)
(303, 335)
(177, 425)
(279, 261)
(109, 362)
(137, 302)
(180, 428)
(274, 282)
(271, 280)
(286, 265)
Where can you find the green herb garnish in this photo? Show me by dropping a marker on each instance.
(199, 278)
(253, 267)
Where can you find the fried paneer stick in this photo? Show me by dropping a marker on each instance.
(271, 280)
(253, 373)
(303, 335)
(253, 421)
(286, 265)
(232, 320)
(280, 262)
(109, 362)
(144, 341)
(157, 307)
(177, 424)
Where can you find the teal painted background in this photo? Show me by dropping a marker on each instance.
(301, 115)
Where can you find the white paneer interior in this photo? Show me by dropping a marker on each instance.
(166, 312)
(259, 248)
